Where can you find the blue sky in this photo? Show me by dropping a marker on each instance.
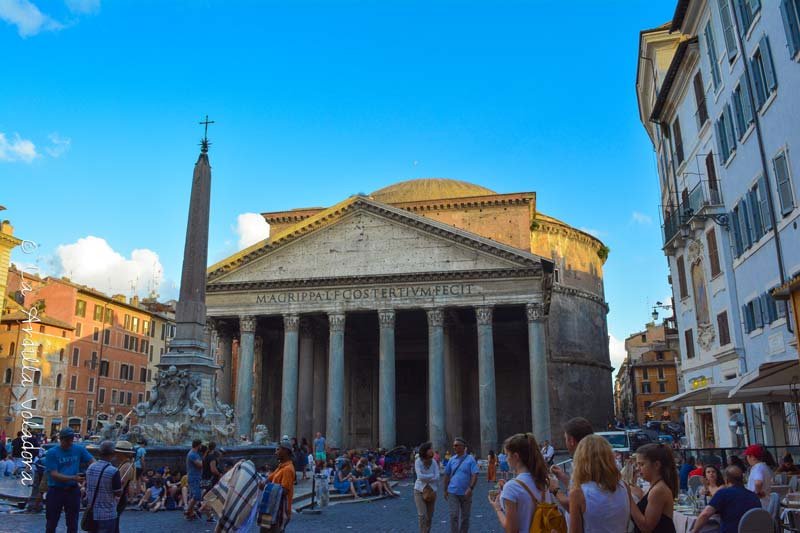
(315, 102)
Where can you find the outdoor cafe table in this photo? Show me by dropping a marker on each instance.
(684, 522)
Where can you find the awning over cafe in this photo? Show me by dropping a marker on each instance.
(771, 382)
(712, 395)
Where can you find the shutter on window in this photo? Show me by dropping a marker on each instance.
(730, 134)
(765, 311)
(769, 68)
(711, 174)
(682, 277)
(759, 322)
(747, 108)
(755, 214)
(790, 25)
(737, 232)
(784, 184)
(727, 28)
(747, 321)
(712, 55)
(738, 113)
(700, 99)
(758, 81)
(766, 217)
(720, 135)
(743, 225)
(713, 252)
(676, 131)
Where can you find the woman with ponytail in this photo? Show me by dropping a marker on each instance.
(517, 503)
(653, 513)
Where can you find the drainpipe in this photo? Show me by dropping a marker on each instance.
(762, 152)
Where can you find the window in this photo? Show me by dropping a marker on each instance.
(127, 322)
(742, 110)
(134, 344)
(144, 345)
(40, 351)
(762, 204)
(689, 338)
(73, 382)
(763, 72)
(7, 378)
(59, 379)
(724, 331)
(78, 329)
(711, 51)
(785, 194)
(644, 374)
(98, 312)
(104, 368)
(34, 403)
(756, 227)
(149, 374)
(101, 397)
(727, 29)
(113, 396)
(135, 324)
(713, 252)
(748, 9)
(659, 356)
(56, 404)
(109, 316)
(12, 349)
(96, 334)
(70, 407)
(89, 408)
(41, 328)
(700, 100)
(130, 396)
(37, 377)
(163, 331)
(769, 308)
(106, 337)
(646, 388)
(660, 373)
(678, 142)
(94, 360)
(790, 12)
(61, 355)
(76, 356)
(644, 337)
(143, 375)
(726, 137)
(684, 291)
(145, 327)
(80, 308)
(91, 384)
(662, 387)
(153, 325)
(126, 341)
(140, 398)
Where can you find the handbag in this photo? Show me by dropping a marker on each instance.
(87, 522)
(428, 494)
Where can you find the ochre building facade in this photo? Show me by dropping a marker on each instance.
(429, 309)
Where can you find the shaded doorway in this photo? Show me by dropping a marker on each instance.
(411, 377)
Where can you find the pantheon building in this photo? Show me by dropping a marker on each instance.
(429, 309)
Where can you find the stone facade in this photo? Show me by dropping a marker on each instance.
(427, 318)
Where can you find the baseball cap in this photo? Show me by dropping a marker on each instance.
(754, 450)
(66, 433)
(285, 443)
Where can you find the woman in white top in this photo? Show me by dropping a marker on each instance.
(514, 506)
(427, 471)
(598, 500)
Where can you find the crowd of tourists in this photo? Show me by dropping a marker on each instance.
(527, 491)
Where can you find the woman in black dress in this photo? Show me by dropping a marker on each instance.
(653, 513)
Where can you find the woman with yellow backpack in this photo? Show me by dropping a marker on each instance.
(525, 503)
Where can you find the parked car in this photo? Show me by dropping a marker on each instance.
(619, 440)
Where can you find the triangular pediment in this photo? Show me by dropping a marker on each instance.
(361, 237)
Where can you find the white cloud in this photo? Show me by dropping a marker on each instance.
(83, 6)
(251, 228)
(91, 261)
(16, 149)
(59, 145)
(26, 17)
(641, 218)
(616, 349)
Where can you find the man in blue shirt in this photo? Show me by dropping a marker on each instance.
(731, 503)
(460, 477)
(62, 464)
(683, 473)
(194, 473)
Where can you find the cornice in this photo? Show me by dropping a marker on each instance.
(523, 198)
(564, 360)
(330, 216)
(556, 228)
(459, 275)
(570, 291)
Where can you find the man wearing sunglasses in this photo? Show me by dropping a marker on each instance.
(460, 477)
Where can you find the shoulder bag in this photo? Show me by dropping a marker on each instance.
(87, 522)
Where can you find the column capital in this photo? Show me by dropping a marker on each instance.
(435, 317)
(223, 328)
(386, 318)
(336, 321)
(247, 324)
(535, 312)
(291, 323)
(483, 315)
(307, 327)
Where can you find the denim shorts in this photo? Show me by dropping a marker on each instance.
(194, 490)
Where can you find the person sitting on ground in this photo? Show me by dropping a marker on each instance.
(731, 502)
(379, 483)
(343, 481)
(174, 490)
(712, 481)
(787, 465)
(153, 498)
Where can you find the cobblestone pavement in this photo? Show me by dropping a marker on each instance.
(381, 516)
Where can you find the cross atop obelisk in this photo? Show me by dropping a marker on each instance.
(204, 142)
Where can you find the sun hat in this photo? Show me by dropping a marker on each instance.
(124, 446)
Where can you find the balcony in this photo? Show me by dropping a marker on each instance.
(702, 202)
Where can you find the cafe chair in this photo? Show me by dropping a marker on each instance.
(695, 482)
(794, 483)
(774, 505)
(756, 521)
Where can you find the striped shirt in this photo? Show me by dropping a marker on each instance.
(105, 507)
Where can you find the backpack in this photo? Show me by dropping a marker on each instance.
(546, 517)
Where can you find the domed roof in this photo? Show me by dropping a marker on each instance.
(419, 190)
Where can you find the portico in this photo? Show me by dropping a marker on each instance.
(379, 327)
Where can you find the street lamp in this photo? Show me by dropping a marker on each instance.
(658, 306)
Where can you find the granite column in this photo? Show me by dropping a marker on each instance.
(225, 383)
(244, 374)
(436, 390)
(487, 399)
(537, 351)
(289, 385)
(305, 380)
(335, 403)
(386, 381)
